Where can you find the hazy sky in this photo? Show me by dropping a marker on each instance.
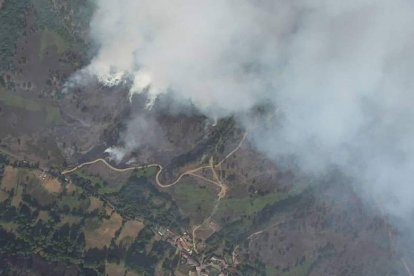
(340, 74)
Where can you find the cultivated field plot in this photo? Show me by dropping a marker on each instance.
(100, 234)
(129, 233)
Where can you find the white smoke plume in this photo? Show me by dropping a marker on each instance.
(141, 131)
(340, 73)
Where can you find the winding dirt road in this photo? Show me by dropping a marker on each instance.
(191, 172)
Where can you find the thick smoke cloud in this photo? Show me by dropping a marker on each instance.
(340, 74)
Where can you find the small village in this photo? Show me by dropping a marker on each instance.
(201, 264)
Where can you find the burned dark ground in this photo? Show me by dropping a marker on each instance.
(96, 221)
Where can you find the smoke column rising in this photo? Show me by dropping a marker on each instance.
(340, 74)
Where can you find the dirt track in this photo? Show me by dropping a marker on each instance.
(193, 172)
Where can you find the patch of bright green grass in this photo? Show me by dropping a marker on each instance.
(147, 172)
(195, 200)
(249, 205)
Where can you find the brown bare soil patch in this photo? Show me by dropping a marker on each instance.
(69, 219)
(95, 204)
(114, 269)
(9, 226)
(129, 232)
(109, 210)
(17, 198)
(70, 188)
(101, 236)
(131, 273)
(204, 233)
(9, 180)
(43, 216)
(52, 186)
(3, 196)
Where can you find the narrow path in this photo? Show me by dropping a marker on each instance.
(233, 151)
(221, 195)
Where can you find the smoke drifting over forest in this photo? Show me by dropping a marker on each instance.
(339, 73)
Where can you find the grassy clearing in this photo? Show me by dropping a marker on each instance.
(17, 197)
(9, 180)
(3, 196)
(52, 39)
(249, 206)
(53, 115)
(100, 235)
(69, 219)
(196, 201)
(110, 182)
(52, 186)
(95, 180)
(73, 202)
(12, 100)
(114, 269)
(71, 188)
(106, 189)
(9, 226)
(147, 172)
(133, 273)
(129, 232)
(52, 112)
(43, 216)
(94, 204)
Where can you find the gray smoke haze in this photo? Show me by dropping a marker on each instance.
(141, 131)
(340, 74)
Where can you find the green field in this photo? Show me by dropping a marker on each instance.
(52, 112)
(248, 206)
(104, 187)
(195, 201)
(52, 39)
